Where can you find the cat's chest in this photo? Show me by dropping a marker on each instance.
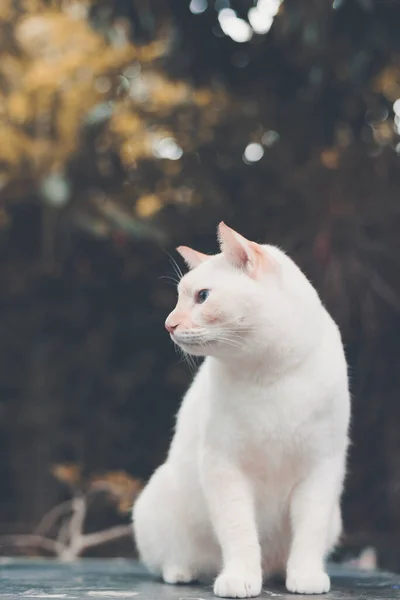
(264, 428)
(268, 434)
(259, 413)
(270, 448)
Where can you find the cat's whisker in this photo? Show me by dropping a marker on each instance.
(255, 341)
(175, 266)
(180, 353)
(186, 357)
(235, 340)
(172, 282)
(191, 362)
(239, 327)
(231, 342)
(169, 278)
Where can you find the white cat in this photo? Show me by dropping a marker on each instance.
(252, 483)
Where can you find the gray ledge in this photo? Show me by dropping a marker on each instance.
(124, 579)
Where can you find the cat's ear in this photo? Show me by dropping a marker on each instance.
(241, 253)
(191, 257)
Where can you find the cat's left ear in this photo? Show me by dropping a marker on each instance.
(242, 253)
(192, 258)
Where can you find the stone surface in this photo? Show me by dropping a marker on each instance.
(124, 579)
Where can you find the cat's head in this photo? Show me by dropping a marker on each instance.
(235, 302)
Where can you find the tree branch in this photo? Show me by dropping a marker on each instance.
(107, 535)
(52, 516)
(33, 541)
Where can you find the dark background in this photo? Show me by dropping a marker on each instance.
(123, 131)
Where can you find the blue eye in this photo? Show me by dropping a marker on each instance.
(202, 296)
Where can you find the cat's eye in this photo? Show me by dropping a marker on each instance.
(202, 296)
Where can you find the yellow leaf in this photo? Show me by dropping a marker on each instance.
(18, 107)
(330, 159)
(121, 486)
(68, 473)
(147, 206)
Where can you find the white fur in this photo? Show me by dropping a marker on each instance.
(252, 482)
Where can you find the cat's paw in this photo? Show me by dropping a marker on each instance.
(174, 574)
(232, 584)
(307, 582)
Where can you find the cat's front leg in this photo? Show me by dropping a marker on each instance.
(315, 521)
(231, 509)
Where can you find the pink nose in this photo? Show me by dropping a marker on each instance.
(170, 327)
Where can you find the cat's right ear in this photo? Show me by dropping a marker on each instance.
(242, 253)
(191, 257)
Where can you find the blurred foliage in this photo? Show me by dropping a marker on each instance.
(62, 530)
(69, 474)
(69, 70)
(131, 126)
(118, 485)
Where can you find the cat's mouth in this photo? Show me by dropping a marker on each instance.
(187, 341)
(190, 342)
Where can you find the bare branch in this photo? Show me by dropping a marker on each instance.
(52, 516)
(107, 535)
(32, 541)
(74, 533)
(63, 532)
(71, 539)
(78, 518)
